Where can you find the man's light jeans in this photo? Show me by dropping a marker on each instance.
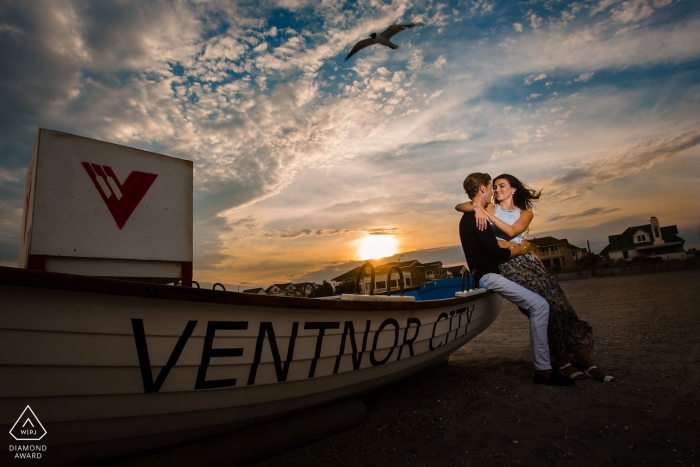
(530, 301)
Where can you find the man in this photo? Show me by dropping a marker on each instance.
(483, 255)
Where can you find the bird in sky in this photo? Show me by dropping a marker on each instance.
(382, 38)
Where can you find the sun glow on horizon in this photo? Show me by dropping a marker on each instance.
(377, 246)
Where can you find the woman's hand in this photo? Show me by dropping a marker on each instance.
(482, 218)
(538, 260)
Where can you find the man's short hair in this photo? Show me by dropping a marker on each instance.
(475, 181)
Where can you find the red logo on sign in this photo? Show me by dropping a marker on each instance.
(121, 199)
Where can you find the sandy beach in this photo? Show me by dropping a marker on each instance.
(482, 408)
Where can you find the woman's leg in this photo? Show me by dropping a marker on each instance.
(585, 359)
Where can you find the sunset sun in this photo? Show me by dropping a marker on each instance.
(377, 246)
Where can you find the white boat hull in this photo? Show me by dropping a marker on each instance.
(112, 367)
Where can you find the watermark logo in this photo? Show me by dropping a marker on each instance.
(28, 427)
(121, 198)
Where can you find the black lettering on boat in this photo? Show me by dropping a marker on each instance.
(349, 329)
(384, 324)
(410, 341)
(430, 342)
(321, 326)
(459, 320)
(144, 360)
(469, 313)
(208, 352)
(281, 370)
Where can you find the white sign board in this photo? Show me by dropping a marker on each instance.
(91, 199)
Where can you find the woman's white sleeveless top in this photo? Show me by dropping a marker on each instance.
(509, 217)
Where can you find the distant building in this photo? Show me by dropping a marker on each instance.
(286, 289)
(256, 291)
(414, 274)
(302, 289)
(646, 241)
(556, 252)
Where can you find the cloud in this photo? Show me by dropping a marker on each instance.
(586, 213)
(326, 232)
(602, 6)
(598, 47)
(584, 77)
(11, 30)
(632, 11)
(640, 156)
(501, 153)
(535, 21)
(532, 78)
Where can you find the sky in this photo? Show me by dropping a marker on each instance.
(300, 157)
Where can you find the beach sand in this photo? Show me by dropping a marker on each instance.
(482, 408)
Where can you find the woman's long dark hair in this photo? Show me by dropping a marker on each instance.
(523, 196)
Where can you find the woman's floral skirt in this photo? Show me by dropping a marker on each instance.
(566, 333)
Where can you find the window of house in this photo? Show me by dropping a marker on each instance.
(392, 283)
(625, 254)
(408, 281)
(381, 284)
(275, 290)
(544, 249)
(428, 273)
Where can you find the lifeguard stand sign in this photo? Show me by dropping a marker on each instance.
(101, 209)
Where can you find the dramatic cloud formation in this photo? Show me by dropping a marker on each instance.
(298, 154)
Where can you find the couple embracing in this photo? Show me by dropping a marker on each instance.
(493, 239)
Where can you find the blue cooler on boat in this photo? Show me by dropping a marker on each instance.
(443, 288)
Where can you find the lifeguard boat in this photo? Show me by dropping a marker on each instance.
(112, 358)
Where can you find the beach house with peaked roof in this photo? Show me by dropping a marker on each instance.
(256, 291)
(646, 241)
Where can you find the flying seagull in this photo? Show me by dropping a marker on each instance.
(382, 38)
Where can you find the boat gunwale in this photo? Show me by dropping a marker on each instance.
(76, 283)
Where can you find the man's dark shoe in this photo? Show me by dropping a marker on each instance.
(555, 379)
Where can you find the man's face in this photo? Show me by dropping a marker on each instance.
(488, 189)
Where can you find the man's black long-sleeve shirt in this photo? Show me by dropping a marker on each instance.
(480, 246)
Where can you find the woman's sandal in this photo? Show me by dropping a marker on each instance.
(606, 378)
(573, 376)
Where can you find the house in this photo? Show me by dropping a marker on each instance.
(556, 252)
(414, 274)
(256, 291)
(286, 289)
(646, 241)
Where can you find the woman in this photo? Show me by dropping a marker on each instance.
(512, 215)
